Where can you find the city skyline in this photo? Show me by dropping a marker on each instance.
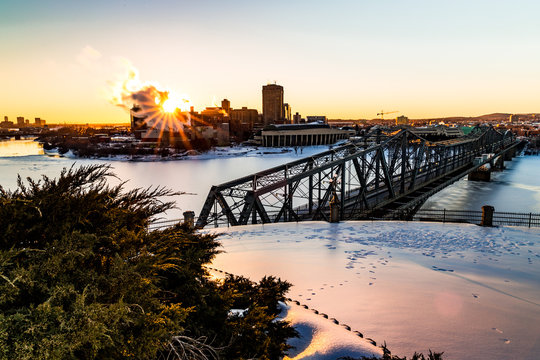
(344, 60)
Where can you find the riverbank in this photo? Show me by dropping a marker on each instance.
(214, 153)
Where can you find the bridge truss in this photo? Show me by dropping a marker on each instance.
(361, 179)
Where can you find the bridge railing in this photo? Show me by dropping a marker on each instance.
(500, 218)
(475, 217)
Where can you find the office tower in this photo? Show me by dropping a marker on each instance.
(226, 106)
(287, 110)
(273, 111)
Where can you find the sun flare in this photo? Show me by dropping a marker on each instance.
(170, 103)
(169, 106)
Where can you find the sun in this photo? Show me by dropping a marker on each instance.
(170, 102)
(169, 106)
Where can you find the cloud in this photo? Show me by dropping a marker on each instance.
(88, 56)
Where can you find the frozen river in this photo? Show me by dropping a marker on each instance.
(516, 189)
(469, 291)
(194, 175)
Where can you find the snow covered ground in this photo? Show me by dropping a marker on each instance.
(322, 339)
(469, 291)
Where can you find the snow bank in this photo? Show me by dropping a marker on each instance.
(321, 338)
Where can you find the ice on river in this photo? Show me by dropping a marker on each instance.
(469, 291)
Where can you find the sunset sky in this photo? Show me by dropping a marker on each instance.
(342, 59)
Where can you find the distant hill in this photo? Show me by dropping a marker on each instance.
(495, 117)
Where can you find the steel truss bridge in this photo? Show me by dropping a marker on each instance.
(390, 178)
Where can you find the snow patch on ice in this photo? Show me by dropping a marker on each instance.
(321, 338)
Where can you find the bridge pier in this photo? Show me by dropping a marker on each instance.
(510, 154)
(497, 164)
(479, 175)
(483, 173)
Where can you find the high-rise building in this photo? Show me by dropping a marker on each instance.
(138, 122)
(39, 122)
(287, 110)
(20, 120)
(273, 110)
(226, 106)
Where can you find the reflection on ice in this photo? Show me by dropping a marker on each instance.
(414, 285)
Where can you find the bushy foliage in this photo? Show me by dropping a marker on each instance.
(81, 277)
(388, 356)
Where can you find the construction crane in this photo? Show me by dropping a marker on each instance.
(382, 113)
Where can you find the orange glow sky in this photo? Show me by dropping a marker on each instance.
(342, 59)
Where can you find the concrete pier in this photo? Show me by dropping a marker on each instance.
(510, 154)
(479, 175)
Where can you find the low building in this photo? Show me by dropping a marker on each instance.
(213, 116)
(402, 120)
(438, 132)
(243, 121)
(316, 118)
(218, 135)
(6, 123)
(302, 135)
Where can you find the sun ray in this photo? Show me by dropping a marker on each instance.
(163, 111)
